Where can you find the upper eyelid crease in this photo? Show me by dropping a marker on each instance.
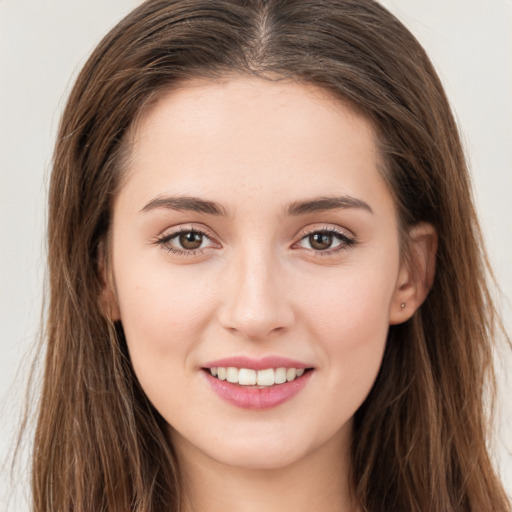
(347, 238)
(165, 239)
(327, 229)
(177, 230)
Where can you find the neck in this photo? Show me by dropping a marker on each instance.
(318, 481)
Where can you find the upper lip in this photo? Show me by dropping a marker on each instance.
(256, 364)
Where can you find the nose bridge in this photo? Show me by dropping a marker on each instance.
(256, 302)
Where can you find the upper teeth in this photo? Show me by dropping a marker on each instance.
(248, 377)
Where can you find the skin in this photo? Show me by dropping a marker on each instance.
(257, 286)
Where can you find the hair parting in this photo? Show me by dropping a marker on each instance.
(419, 440)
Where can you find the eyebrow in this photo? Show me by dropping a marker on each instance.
(185, 203)
(194, 204)
(327, 203)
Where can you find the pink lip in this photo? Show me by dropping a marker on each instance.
(256, 364)
(256, 398)
(252, 397)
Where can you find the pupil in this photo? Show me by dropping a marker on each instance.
(320, 241)
(191, 240)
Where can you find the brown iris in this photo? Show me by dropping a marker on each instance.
(190, 240)
(320, 241)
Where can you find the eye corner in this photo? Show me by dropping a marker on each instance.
(189, 240)
(341, 238)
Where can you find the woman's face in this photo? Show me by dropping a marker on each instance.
(254, 231)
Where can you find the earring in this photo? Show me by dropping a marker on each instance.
(402, 306)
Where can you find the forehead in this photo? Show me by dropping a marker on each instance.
(236, 138)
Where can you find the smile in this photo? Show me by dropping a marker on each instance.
(260, 378)
(257, 384)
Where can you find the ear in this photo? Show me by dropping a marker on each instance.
(416, 273)
(107, 300)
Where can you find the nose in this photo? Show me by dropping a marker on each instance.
(256, 302)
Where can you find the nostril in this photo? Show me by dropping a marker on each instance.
(256, 303)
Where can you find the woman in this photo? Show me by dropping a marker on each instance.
(267, 287)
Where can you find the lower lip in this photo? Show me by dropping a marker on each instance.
(257, 398)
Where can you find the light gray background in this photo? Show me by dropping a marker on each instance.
(43, 45)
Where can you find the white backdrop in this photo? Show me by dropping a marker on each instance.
(44, 44)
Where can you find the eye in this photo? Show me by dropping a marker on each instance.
(190, 240)
(326, 240)
(320, 241)
(186, 241)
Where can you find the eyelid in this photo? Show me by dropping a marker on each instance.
(318, 228)
(167, 235)
(189, 226)
(347, 237)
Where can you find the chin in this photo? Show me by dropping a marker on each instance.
(259, 447)
(257, 457)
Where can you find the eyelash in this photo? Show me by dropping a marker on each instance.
(346, 242)
(164, 241)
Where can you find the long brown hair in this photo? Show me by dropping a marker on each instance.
(419, 440)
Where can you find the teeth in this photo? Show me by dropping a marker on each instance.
(280, 376)
(232, 375)
(266, 377)
(247, 377)
(261, 378)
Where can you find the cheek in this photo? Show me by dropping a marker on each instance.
(163, 315)
(353, 331)
(349, 320)
(349, 308)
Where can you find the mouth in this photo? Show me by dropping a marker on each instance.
(259, 379)
(257, 384)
